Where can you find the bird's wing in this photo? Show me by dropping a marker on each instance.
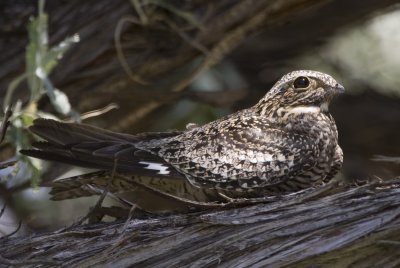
(88, 146)
(244, 157)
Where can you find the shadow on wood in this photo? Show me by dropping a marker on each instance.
(337, 227)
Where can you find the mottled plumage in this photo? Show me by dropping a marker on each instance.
(286, 142)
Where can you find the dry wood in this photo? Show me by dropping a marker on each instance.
(341, 227)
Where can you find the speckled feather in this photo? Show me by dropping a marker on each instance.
(287, 142)
(258, 147)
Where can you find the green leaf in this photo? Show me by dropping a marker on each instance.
(11, 88)
(50, 59)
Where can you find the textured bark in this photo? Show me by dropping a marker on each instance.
(339, 227)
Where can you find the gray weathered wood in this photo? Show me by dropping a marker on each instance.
(343, 226)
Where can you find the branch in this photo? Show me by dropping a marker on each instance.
(340, 226)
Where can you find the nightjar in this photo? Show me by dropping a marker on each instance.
(287, 142)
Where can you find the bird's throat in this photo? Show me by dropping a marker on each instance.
(309, 109)
(304, 110)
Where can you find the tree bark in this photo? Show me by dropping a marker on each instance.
(334, 226)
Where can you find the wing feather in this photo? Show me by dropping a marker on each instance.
(91, 147)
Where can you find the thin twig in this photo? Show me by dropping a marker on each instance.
(195, 44)
(99, 202)
(2, 210)
(120, 52)
(130, 216)
(97, 112)
(389, 242)
(5, 123)
(13, 232)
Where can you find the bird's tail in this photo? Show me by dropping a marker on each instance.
(92, 147)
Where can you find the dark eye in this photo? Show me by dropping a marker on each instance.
(301, 82)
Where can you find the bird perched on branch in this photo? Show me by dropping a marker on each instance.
(287, 142)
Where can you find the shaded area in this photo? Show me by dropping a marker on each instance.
(334, 226)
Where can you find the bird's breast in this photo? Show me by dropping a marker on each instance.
(317, 124)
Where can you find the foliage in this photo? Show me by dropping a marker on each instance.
(40, 60)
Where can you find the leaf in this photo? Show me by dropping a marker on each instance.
(31, 58)
(11, 88)
(61, 102)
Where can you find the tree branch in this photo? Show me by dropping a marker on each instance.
(339, 225)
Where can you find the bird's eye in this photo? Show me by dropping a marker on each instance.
(301, 82)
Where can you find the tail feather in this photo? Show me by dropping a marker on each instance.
(92, 147)
(69, 133)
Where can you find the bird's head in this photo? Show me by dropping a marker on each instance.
(301, 92)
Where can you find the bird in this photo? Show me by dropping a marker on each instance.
(285, 143)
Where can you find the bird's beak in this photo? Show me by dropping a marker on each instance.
(339, 89)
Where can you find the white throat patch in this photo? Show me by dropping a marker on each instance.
(305, 110)
(309, 109)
